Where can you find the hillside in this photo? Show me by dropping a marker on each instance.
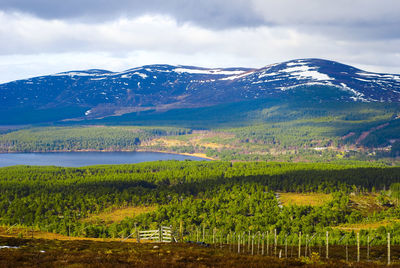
(252, 130)
(155, 89)
(301, 110)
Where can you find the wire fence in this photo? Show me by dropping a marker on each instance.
(350, 247)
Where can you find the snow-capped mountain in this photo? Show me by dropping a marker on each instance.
(360, 85)
(164, 87)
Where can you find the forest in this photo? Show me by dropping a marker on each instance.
(99, 138)
(258, 130)
(230, 197)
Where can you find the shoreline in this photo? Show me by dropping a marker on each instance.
(200, 155)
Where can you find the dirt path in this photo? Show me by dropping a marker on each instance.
(365, 134)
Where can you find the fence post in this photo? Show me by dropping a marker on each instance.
(275, 242)
(252, 245)
(319, 244)
(181, 231)
(267, 243)
(291, 249)
(248, 244)
(243, 241)
(358, 247)
(213, 236)
(135, 227)
(231, 238)
(388, 246)
(327, 244)
(239, 243)
(305, 251)
(227, 241)
(173, 231)
(262, 244)
(137, 234)
(299, 244)
(286, 247)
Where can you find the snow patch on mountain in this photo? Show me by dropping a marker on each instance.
(234, 77)
(357, 95)
(296, 63)
(306, 71)
(75, 74)
(284, 88)
(363, 80)
(144, 76)
(266, 74)
(206, 71)
(382, 76)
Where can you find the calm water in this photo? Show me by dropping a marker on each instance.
(79, 159)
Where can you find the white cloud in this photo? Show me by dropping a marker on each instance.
(38, 46)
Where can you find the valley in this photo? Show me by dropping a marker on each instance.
(268, 131)
(184, 133)
(300, 110)
(301, 150)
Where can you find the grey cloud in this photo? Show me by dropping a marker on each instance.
(355, 19)
(209, 13)
(237, 12)
(254, 32)
(363, 19)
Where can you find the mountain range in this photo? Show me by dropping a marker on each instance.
(91, 94)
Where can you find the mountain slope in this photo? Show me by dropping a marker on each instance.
(99, 93)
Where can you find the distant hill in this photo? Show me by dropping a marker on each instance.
(93, 94)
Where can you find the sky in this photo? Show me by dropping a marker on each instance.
(40, 37)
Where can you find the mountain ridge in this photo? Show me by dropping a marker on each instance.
(100, 93)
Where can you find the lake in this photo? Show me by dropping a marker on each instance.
(79, 159)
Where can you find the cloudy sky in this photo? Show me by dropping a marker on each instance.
(48, 36)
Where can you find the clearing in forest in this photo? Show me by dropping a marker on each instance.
(304, 199)
(118, 214)
(366, 226)
(369, 202)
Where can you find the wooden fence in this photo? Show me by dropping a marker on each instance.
(163, 234)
